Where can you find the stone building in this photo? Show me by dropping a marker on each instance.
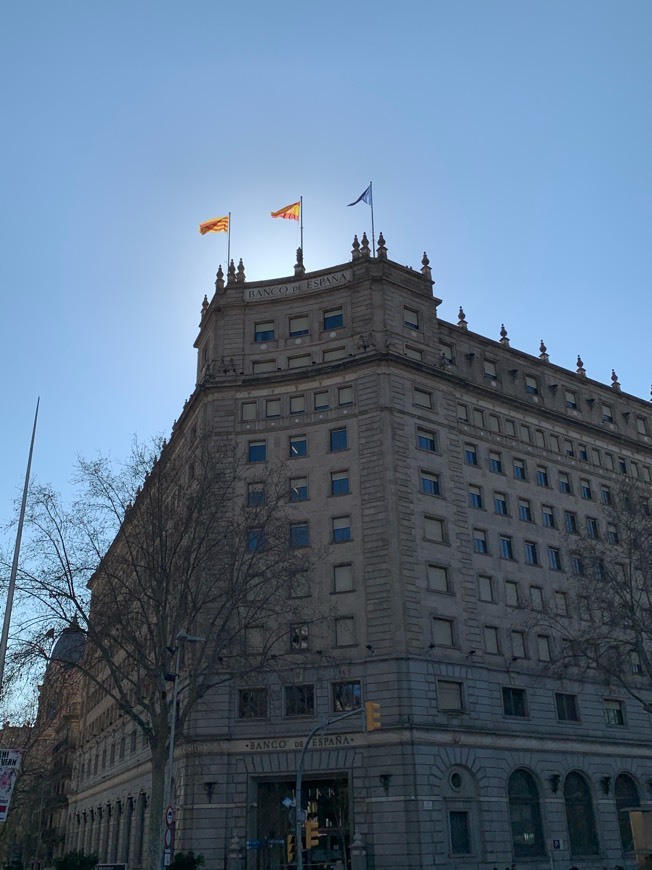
(437, 472)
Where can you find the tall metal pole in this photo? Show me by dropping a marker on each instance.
(373, 233)
(14, 568)
(173, 725)
(301, 216)
(228, 246)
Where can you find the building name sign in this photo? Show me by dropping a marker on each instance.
(276, 744)
(298, 288)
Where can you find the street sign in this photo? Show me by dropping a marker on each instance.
(167, 838)
(169, 816)
(167, 858)
(255, 844)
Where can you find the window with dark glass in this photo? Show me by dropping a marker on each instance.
(525, 815)
(564, 482)
(460, 832)
(300, 637)
(470, 454)
(475, 497)
(567, 709)
(580, 817)
(613, 712)
(570, 522)
(554, 559)
(548, 516)
(542, 476)
(298, 446)
(627, 798)
(531, 555)
(585, 489)
(426, 440)
(506, 549)
(298, 489)
(524, 510)
(299, 536)
(500, 503)
(341, 527)
(592, 529)
(339, 483)
(519, 469)
(429, 483)
(252, 703)
(338, 440)
(333, 319)
(255, 494)
(480, 541)
(410, 318)
(299, 700)
(531, 385)
(495, 462)
(514, 701)
(257, 451)
(264, 331)
(256, 540)
(346, 696)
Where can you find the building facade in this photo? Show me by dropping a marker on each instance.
(438, 474)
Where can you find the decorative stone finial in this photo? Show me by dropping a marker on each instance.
(462, 323)
(230, 276)
(615, 385)
(503, 336)
(219, 282)
(299, 268)
(364, 248)
(426, 271)
(355, 252)
(381, 250)
(240, 278)
(543, 352)
(580, 367)
(204, 305)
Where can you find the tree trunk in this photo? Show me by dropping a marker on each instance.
(157, 805)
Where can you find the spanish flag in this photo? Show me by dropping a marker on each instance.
(216, 225)
(289, 212)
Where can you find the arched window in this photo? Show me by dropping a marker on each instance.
(525, 815)
(579, 816)
(626, 795)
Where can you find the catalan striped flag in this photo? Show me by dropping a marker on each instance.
(289, 212)
(216, 225)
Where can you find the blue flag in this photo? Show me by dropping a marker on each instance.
(364, 197)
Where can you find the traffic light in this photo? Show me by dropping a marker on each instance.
(312, 837)
(372, 715)
(291, 847)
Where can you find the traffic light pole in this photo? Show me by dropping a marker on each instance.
(299, 814)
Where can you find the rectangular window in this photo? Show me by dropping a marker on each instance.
(338, 440)
(531, 555)
(460, 832)
(442, 632)
(554, 443)
(491, 640)
(543, 647)
(297, 404)
(429, 483)
(564, 482)
(568, 447)
(524, 510)
(321, 400)
(248, 411)
(346, 696)
(478, 418)
(607, 414)
(333, 354)
(410, 318)
(500, 503)
(622, 465)
(506, 549)
(518, 645)
(434, 529)
(252, 703)
(514, 701)
(257, 451)
(570, 522)
(437, 577)
(554, 559)
(255, 494)
(548, 517)
(447, 354)
(531, 385)
(343, 577)
(340, 483)
(577, 566)
(298, 446)
(462, 413)
(299, 536)
(490, 370)
(299, 700)
(525, 434)
(542, 476)
(592, 529)
(426, 440)
(495, 462)
(485, 588)
(511, 593)
(561, 603)
(449, 696)
(480, 541)
(298, 489)
(422, 399)
(273, 408)
(510, 428)
(641, 425)
(609, 461)
(262, 366)
(264, 331)
(470, 454)
(571, 399)
(583, 452)
(255, 540)
(333, 319)
(255, 638)
(299, 325)
(613, 712)
(345, 631)
(585, 489)
(494, 423)
(299, 361)
(341, 527)
(612, 534)
(345, 395)
(475, 497)
(567, 709)
(519, 469)
(413, 353)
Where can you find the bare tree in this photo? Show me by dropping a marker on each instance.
(180, 540)
(606, 631)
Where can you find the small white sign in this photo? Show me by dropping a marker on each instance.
(169, 816)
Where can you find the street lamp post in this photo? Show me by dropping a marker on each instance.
(182, 637)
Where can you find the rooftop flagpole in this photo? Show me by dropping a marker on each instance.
(14, 567)
(301, 215)
(373, 233)
(228, 246)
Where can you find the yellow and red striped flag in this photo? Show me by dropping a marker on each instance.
(216, 225)
(289, 212)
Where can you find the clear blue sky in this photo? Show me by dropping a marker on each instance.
(510, 139)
